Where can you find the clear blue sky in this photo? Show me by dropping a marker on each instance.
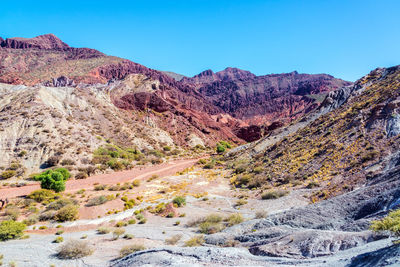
(344, 38)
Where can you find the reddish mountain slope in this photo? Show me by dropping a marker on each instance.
(263, 99)
(203, 101)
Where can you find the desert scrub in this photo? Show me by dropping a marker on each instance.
(103, 230)
(136, 183)
(173, 240)
(7, 174)
(210, 228)
(389, 223)
(100, 187)
(11, 230)
(234, 219)
(240, 202)
(96, 201)
(125, 251)
(12, 213)
(121, 224)
(67, 213)
(117, 233)
(43, 195)
(74, 249)
(274, 194)
(59, 239)
(179, 201)
(195, 241)
(261, 214)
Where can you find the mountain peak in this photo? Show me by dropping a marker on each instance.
(46, 41)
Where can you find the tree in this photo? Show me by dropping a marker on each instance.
(53, 179)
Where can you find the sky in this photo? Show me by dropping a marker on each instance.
(344, 38)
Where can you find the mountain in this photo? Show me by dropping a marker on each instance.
(264, 99)
(232, 105)
(348, 140)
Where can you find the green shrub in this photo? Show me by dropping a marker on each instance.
(53, 179)
(74, 249)
(136, 183)
(59, 239)
(220, 148)
(131, 221)
(274, 194)
(7, 174)
(195, 241)
(125, 251)
(11, 230)
(67, 213)
(390, 223)
(179, 201)
(42, 195)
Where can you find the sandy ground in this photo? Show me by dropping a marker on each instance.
(109, 178)
(206, 192)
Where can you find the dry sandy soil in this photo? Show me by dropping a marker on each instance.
(206, 191)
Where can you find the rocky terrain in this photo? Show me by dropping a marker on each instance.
(157, 171)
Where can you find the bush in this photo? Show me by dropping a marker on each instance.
(42, 195)
(261, 214)
(74, 249)
(100, 187)
(195, 241)
(81, 175)
(274, 194)
(136, 183)
(59, 239)
(53, 161)
(125, 251)
(53, 179)
(173, 240)
(118, 232)
(47, 215)
(31, 220)
(234, 219)
(121, 224)
(61, 203)
(67, 162)
(103, 230)
(179, 201)
(132, 221)
(7, 174)
(390, 223)
(67, 213)
(210, 228)
(11, 230)
(220, 148)
(12, 213)
(96, 201)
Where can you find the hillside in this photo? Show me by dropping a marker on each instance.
(339, 150)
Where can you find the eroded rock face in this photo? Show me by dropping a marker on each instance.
(261, 99)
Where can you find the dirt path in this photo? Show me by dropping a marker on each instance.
(164, 169)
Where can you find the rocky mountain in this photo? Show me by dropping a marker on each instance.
(347, 141)
(261, 100)
(233, 104)
(344, 156)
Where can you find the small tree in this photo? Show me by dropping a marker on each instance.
(53, 179)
